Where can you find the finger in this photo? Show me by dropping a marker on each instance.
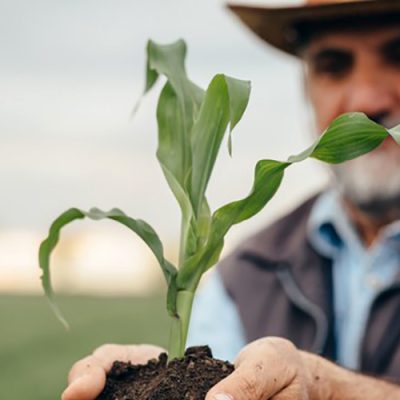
(86, 380)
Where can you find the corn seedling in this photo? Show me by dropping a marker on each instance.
(192, 123)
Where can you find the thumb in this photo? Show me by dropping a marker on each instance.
(250, 381)
(86, 380)
(263, 369)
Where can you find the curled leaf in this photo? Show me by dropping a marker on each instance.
(141, 228)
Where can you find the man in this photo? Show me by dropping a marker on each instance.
(326, 276)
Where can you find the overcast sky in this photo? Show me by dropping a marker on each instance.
(70, 73)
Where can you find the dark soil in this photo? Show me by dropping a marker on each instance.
(187, 379)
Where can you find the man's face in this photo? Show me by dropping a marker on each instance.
(359, 70)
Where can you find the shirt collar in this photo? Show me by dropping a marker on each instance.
(329, 229)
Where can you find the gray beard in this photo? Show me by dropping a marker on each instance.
(372, 184)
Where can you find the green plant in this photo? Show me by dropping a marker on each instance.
(191, 126)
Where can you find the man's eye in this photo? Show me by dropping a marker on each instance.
(334, 64)
(392, 53)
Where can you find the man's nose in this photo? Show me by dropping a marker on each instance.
(370, 92)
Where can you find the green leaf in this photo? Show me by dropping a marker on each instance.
(175, 116)
(45, 250)
(224, 103)
(239, 95)
(151, 79)
(177, 109)
(151, 74)
(175, 161)
(395, 133)
(173, 151)
(141, 228)
(347, 137)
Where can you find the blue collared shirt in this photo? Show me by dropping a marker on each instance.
(359, 275)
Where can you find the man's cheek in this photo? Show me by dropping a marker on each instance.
(327, 102)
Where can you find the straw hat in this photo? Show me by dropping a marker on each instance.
(279, 25)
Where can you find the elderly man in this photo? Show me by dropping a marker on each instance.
(326, 277)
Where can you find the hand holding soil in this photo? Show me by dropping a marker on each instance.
(269, 368)
(87, 377)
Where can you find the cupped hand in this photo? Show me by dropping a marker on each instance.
(87, 377)
(270, 368)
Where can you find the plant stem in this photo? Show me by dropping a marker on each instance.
(183, 242)
(180, 325)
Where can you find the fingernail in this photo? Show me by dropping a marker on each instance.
(223, 396)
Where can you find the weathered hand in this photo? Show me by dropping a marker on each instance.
(270, 368)
(88, 376)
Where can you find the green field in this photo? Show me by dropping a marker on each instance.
(36, 352)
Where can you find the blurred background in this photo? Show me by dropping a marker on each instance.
(70, 74)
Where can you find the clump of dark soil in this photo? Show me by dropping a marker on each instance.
(187, 379)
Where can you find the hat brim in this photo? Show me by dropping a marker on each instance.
(276, 25)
